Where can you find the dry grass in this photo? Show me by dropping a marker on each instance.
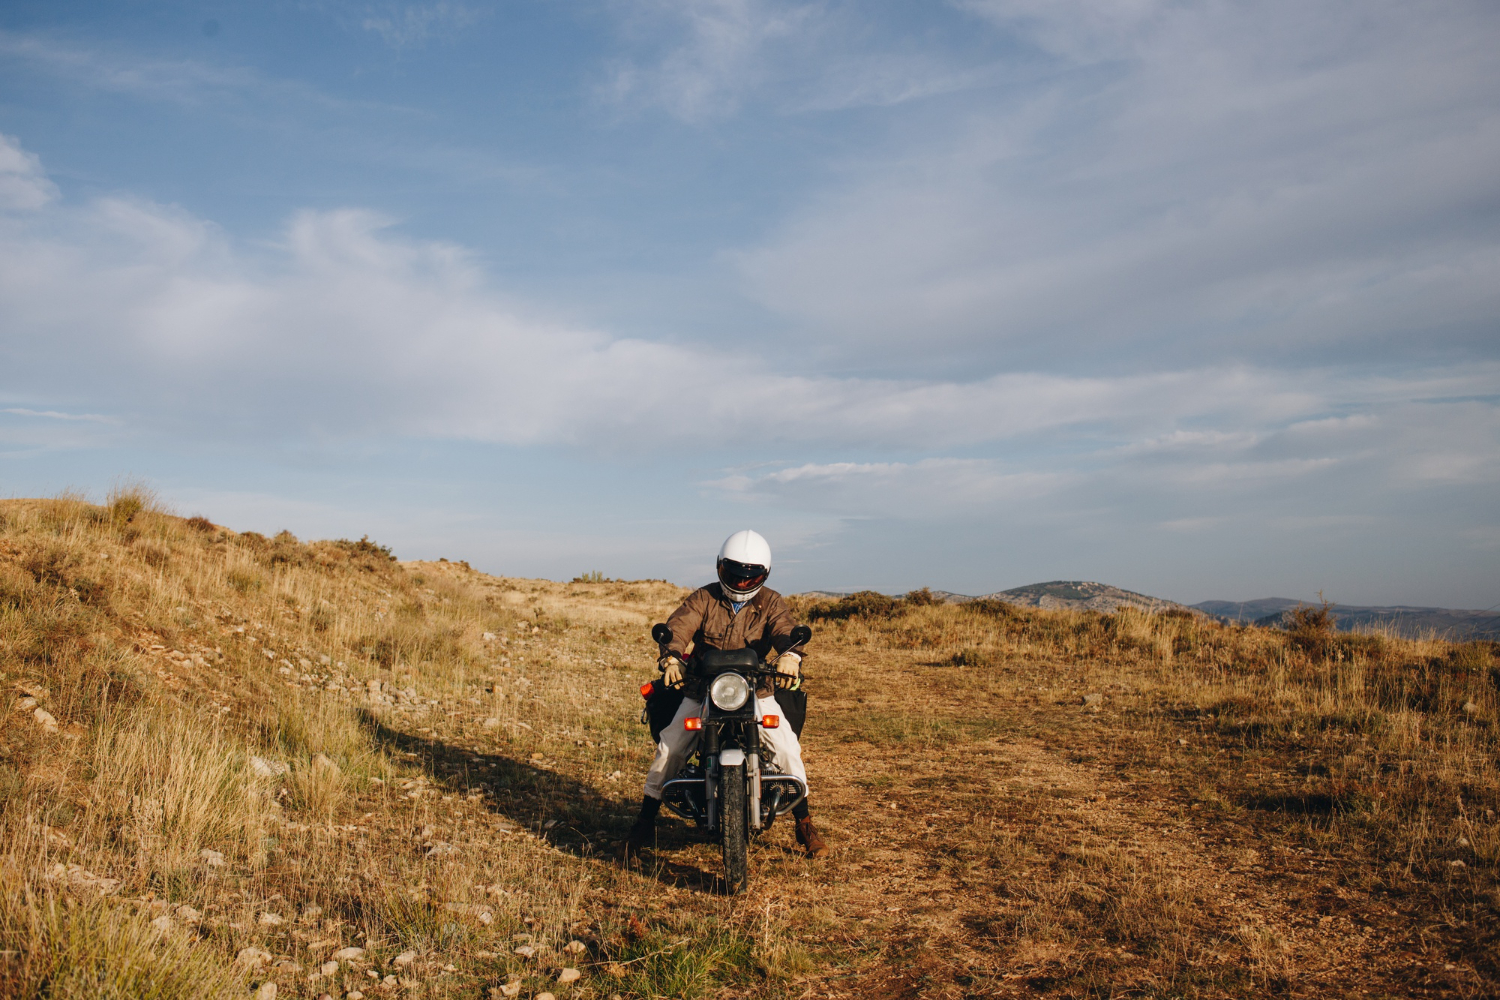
(297, 748)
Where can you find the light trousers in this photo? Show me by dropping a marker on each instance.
(779, 748)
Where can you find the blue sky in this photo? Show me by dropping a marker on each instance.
(1199, 299)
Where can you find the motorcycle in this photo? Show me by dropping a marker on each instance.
(726, 788)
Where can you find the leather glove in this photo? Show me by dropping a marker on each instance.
(788, 667)
(671, 671)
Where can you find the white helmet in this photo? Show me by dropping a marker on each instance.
(744, 563)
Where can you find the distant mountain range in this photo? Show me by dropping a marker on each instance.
(1445, 623)
(1081, 595)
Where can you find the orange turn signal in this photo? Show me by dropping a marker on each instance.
(692, 723)
(770, 721)
(646, 689)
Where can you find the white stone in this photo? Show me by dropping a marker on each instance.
(576, 947)
(1470, 708)
(404, 959)
(373, 686)
(568, 975)
(26, 704)
(545, 996)
(253, 957)
(525, 950)
(511, 989)
(328, 968)
(163, 923)
(45, 720)
(211, 858)
(322, 763)
(267, 991)
(389, 980)
(354, 995)
(188, 914)
(271, 920)
(264, 767)
(492, 723)
(348, 954)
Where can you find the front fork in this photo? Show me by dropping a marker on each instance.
(711, 772)
(752, 767)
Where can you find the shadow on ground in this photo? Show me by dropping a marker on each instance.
(572, 816)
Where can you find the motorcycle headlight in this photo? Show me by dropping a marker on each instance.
(729, 691)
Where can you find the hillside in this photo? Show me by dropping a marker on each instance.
(1413, 622)
(1056, 595)
(1080, 595)
(236, 763)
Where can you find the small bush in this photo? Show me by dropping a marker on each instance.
(129, 500)
(865, 604)
(200, 523)
(365, 547)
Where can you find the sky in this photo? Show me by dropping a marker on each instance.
(1200, 299)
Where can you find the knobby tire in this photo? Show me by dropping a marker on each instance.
(734, 820)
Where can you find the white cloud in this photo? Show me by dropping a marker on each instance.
(402, 25)
(24, 186)
(1196, 180)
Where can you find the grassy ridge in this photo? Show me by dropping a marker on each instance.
(229, 757)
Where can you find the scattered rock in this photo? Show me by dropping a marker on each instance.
(1462, 841)
(525, 950)
(164, 924)
(267, 991)
(323, 764)
(373, 686)
(354, 995)
(187, 914)
(389, 980)
(310, 914)
(45, 720)
(510, 989)
(253, 957)
(490, 637)
(1181, 742)
(77, 875)
(545, 996)
(522, 938)
(1470, 708)
(271, 920)
(329, 968)
(492, 723)
(1457, 864)
(538, 756)
(211, 858)
(263, 767)
(26, 704)
(569, 975)
(1093, 699)
(348, 954)
(404, 959)
(575, 947)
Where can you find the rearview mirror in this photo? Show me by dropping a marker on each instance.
(662, 634)
(801, 634)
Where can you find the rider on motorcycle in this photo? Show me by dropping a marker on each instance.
(736, 612)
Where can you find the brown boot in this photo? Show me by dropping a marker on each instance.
(807, 836)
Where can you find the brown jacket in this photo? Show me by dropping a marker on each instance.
(707, 620)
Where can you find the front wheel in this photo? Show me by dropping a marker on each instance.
(734, 820)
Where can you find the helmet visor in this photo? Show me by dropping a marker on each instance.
(741, 577)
